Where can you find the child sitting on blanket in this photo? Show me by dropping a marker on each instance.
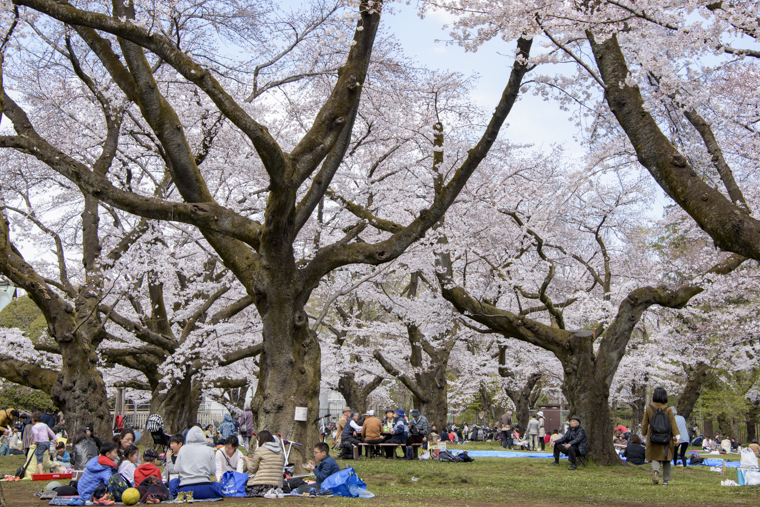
(326, 466)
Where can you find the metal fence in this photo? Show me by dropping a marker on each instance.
(204, 418)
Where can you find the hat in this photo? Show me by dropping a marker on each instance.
(415, 412)
(388, 410)
(150, 455)
(347, 409)
(400, 412)
(370, 413)
(540, 414)
(576, 418)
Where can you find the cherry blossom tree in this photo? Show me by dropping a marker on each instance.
(159, 59)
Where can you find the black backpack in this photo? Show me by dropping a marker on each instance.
(659, 427)
(696, 459)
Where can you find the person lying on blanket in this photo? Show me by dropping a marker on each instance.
(326, 466)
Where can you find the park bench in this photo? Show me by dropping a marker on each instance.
(356, 449)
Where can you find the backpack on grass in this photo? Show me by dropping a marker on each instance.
(447, 456)
(117, 485)
(659, 427)
(696, 459)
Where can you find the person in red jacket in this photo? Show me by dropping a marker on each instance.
(148, 468)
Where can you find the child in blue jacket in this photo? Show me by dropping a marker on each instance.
(98, 470)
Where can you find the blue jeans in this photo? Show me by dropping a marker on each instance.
(39, 453)
(5, 450)
(204, 490)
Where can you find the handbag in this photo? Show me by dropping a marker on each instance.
(345, 483)
(233, 483)
(21, 472)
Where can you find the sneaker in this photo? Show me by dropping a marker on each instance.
(104, 500)
(279, 493)
(313, 492)
(664, 483)
(554, 463)
(572, 467)
(152, 499)
(270, 494)
(188, 496)
(655, 477)
(180, 498)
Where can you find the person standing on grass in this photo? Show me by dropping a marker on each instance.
(573, 443)
(683, 443)
(660, 428)
(42, 436)
(506, 424)
(246, 426)
(532, 432)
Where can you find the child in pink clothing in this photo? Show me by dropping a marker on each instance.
(41, 435)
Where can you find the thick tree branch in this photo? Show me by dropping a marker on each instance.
(27, 374)
(728, 224)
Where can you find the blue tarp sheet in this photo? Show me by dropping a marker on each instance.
(513, 454)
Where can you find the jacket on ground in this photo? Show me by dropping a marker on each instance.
(266, 465)
(195, 460)
(98, 471)
(659, 452)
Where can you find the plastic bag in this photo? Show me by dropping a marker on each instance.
(233, 483)
(344, 483)
(425, 455)
(749, 459)
(748, 477)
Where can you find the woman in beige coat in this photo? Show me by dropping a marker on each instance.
(660, 455)
(266, 464)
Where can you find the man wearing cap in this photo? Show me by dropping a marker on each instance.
(372, 433)
(341, 423)
(419, 429)
(573, 443)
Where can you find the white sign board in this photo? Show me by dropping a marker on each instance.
(300, 414)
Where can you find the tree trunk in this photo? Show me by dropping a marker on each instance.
(752, 420)
(289, 372)
(589, 397)
(354, 394)
(708, 427)
(696, 376)
(79, 391)
(724, 426)
(436, 406)
(177, 406)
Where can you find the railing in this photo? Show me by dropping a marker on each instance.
(204, 418)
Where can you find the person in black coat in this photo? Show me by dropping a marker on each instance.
(634, 452)
(573, 443)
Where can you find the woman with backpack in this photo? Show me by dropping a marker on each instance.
(660, 428)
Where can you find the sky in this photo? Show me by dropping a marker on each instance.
(532, 121)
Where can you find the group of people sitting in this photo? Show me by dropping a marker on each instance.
(394, 428)
(193, 468)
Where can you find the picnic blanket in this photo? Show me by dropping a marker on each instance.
(506, 454)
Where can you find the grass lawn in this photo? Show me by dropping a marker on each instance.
(492, 482)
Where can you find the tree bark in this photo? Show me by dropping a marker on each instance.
(290, 372)
(354, 394)
(696, 376)
(177, 405)
(752, 419)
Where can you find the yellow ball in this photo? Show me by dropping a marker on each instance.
(130, 496)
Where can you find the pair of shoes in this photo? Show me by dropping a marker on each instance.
(554, 463)
(104, 500)
(270, 494)
(572, 467)
(655, 477)
(279, 493)
(664, 483)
